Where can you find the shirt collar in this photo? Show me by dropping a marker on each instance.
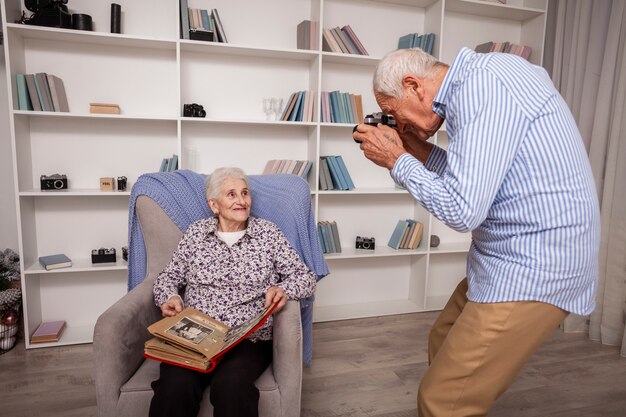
(251, 230)
(439, 103)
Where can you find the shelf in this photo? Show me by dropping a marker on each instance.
(365, 191)
(230, 49)
(492, 9)
(79, 265)
(350, 59)
(451, 247)
(379, 252)
(93, 38)
(72, 335)
(73, 193)
(52, 114)
(354, 311)
(246, 122)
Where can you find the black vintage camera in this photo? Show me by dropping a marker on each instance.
(368, 243)
(121, 183)
(375, 118)
(53, 182)
(51, 13)
(193, 110)
(125, 253)
(102, 255)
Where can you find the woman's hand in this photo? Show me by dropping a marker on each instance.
(172, 306)
(275, 294)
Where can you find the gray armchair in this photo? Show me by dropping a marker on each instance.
(123, 377)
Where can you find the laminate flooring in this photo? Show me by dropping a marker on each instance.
(361, 368)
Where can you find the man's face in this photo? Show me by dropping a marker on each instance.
(413, 112)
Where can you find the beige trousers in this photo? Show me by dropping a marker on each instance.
(475, 351)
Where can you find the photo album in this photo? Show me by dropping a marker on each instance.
(192, 339)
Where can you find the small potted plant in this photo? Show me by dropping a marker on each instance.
(10, 299)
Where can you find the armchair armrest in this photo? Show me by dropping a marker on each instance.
(119, 337)
(287, 362)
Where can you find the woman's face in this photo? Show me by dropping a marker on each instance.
(232, 206)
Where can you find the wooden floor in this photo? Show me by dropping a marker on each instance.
(366, 367)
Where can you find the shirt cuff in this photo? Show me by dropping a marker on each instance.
(403, 167)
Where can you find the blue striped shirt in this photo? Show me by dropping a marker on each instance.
(516, 174)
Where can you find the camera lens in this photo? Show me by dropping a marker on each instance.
(58, 184)
(366, 245)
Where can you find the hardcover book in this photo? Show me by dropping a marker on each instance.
(193, 340)
(48, 331)
(55, 261)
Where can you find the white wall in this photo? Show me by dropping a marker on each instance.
(8, 216)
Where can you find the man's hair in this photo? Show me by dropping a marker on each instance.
(396, 64)
(213, 182)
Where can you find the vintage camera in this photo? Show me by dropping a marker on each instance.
(102, 255)
(375, 118)
(193, 110)
(53, 182)
(125, 253)
(368, 243)
(121, 183)
(51, 13)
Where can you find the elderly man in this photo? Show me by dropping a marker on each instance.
(515, 175)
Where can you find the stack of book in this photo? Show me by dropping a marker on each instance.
(299, 107)
(406, 235)
(288, 166)
(334, 174)
(506, 47)
(329, 236)
(41, 92)
(338, 107)
(169, 164)
(200, 24)
(342, 40)
(425, 42)
(307, 35)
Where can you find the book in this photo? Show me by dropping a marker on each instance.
(357, 42)
(397, 234)
(57, 92)
(193, 340)
(184, 19)
(43, 90)
(23, 99)
(219, 29)
(32, 91)
(48, 331)
(303, 35)
(57, 261)
(104, 108)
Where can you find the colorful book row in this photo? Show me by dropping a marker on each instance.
(342, 40)
(41, 92)
(169, 164)
(425, 42)
(288, 166)
(506, 47)
(200, 24)
(338, 107)
(329, 236)
(299, 108)
(307, 35)
(406, 235)
(334, 174)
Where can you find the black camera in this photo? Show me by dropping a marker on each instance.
(53, 182)
(102, 255)
(121, 183)
(375, 118)
(368, 243)
(125, 253)
(193, 110)
(51, 13)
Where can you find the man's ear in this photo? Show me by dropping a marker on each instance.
(412, 85)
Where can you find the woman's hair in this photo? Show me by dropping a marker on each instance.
(213, 182)
(396, 64)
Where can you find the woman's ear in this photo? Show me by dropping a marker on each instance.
(212, 206)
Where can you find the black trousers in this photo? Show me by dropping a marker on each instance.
(178, 391)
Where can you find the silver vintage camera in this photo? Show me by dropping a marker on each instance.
(368, 243)
(375, 118)
(53, 182)
(103, 255)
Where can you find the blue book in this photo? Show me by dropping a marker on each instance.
(334, 107)
(396, 236)
(335, 165)
(344, 171)
(206, 20)
(406, 41)
(292, 116)
(328, 235)
(23, 99)
(307, 168)
(431, 43)
(173, 163)
(334, 176)
(300, 109)
(320, 235)
(55, 261)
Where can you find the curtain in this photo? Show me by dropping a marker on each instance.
(585, 53)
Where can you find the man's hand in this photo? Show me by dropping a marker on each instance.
(275, 294)
(380, 144)
(172, 306)
(420, 149)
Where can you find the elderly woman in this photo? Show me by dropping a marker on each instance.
(229, 266)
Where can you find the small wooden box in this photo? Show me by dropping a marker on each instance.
(107, 184)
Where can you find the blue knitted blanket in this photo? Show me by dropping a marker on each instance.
(282, 199)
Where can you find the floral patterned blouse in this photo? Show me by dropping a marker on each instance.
(229, 282)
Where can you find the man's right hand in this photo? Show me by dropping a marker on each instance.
(172, 306)
(420, 149)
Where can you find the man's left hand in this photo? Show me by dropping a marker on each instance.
(380, 144)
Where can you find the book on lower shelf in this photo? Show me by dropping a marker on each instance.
(41, 92)
(328, 235)
(506, 47)
(406, 235)
(334, 174)
(169, 164)
(57, 261)
(425, 42)
(193, 340)
(288, 166)
(48, 331)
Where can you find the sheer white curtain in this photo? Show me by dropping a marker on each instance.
(588, 67)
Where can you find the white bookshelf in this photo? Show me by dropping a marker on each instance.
(151, 73)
